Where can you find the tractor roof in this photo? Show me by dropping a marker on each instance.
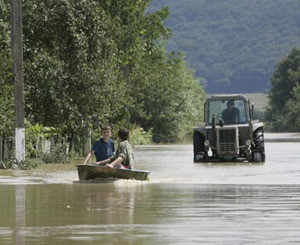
(228, 96)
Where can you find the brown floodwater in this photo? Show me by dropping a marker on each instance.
(183, 203)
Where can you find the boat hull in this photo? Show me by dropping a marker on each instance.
(90, 171)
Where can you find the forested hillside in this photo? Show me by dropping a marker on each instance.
(234, 45)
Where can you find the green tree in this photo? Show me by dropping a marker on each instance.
(6, 86)
(293, 107)
(284, 97)
(163, 94)
(170, 99)
(71, 69)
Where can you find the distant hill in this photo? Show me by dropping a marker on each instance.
(233, 45)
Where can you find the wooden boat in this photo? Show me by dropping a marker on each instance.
(93, 171)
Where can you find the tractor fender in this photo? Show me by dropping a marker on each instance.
(200, 130)
(257, 125)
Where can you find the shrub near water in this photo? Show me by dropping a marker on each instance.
(23, 165)
(138, 136)
(35, 136)
(57, 154)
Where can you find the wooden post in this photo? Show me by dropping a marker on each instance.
(17, 49)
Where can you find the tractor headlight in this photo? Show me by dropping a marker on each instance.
(206, 142)
(248, 142)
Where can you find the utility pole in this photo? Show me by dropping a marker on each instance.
(17, 50)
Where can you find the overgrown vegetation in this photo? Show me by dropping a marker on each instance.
(6, 86)
(283, 112)
(98, 62)
(58, 154)
(138, 136)
(14, 164)
(46, 143)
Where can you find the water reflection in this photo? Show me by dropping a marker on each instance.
(20, 213)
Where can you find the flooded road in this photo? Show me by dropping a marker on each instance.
(183, 203)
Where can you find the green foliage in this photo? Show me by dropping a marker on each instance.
(282, 113)
(293, 108)
(6, 108)
(138, 136)
(69, 67)
(6, 86)
(14, 164)
(36, 134)
(57, 154)
(169, 99)
(98, 62)
(233, 45)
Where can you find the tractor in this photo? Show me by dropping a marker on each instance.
(229, 132)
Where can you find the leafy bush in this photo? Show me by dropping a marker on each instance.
(34, 134)
(138, 136)
(37, 134)
(13, 164)
(57, 154)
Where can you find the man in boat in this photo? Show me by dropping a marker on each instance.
(103, 148)
(123, 158)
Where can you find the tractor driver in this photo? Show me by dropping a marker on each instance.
(231, 115)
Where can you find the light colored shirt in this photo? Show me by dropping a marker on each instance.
(125, 151)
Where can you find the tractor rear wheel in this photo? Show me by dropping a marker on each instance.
(259, 145)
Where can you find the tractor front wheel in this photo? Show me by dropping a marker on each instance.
(200, 154)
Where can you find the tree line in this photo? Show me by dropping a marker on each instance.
(99, 62)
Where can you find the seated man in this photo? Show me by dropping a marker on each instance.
(231, 115)
(123, 157)
(104, 147)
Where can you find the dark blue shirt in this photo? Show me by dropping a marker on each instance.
(103, 150)
(229, 116)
